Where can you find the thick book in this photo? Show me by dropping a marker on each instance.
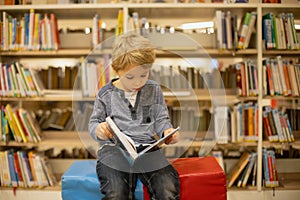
(128, 143)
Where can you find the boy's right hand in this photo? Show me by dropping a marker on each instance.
(103, 131)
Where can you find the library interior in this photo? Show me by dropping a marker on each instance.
(227, 69)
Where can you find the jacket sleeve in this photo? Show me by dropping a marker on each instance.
(162, 119)
(98, 115)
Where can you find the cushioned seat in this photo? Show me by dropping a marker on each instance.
(200, 178)
(80, 182)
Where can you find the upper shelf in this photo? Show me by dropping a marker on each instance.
(110, 10)
(160, 53)
(67, 11)
(79, 11)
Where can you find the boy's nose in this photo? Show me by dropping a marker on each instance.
(138, 82)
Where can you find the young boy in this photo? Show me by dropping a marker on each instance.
(137, 106)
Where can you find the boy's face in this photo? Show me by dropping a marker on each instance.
(133, 77)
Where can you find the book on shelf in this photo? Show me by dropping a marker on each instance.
(248, 173)
(221, 124)
(271, 1)
(25, 169)
(250, 168)
(18, 81)
(95, 73)
(5, 171)
(32, 31)
(218, 155)
(242, 176)
(277, 125)
(128, 144)
(279, 31)
(244, 28)
(246, 78)
(269, 168)
(251, 29)
(237, 169)
(22, 126)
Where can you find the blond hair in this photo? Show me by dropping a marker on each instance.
(132, 49)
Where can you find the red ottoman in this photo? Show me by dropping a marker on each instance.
(200, 178)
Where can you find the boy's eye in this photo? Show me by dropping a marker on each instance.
(143, 76)
(129, 77)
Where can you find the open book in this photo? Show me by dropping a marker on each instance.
(128, 143)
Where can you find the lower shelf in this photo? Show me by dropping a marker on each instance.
(55, 194)
(288, 168)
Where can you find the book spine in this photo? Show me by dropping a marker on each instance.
(244, 30)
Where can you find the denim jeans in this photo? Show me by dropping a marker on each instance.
(118, 176)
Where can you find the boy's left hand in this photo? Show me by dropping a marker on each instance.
(173, 139)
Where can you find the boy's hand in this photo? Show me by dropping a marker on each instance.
(173, 139)
(103, 131)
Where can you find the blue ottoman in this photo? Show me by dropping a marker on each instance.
(80, 181)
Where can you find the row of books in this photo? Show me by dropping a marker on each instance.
(19, 125)
(243, 173)
(97, 31)
(281, 77)
(55, 119)
(246, 76)
(25, 170)
(17, 80)
(54, 78)
(241, 76)
(279, 31)
(240, 124)
(34, 31)
(235, 124)
(228, 35)
(294, 116)
(277, 126)
(270, 174)
(188, 120)
(95, 73)
(26, 126)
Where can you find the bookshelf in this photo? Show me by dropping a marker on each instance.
(165, 14)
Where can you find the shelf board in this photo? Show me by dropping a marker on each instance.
(281, 52)
(174, 95)
(58, 139)
(280, 145)
(279, 5)
(47, 98)
(204, 52)
(190, 5)
(159, 53)
(58, 53)
(74, 11)
(282, 97)
(48, 188)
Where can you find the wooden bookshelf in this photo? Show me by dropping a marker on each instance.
(163, 14)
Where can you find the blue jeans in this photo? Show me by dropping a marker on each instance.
(118, 177)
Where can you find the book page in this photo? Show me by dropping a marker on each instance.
(127, 142)
(160, 141)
